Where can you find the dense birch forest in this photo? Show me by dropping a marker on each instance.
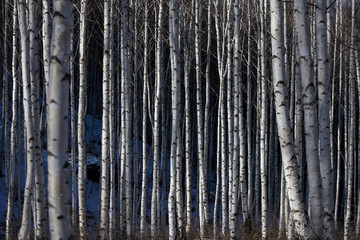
(180, 119)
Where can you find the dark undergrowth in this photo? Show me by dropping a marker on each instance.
(242, 232)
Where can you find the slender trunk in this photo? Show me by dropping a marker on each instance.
(175, 88)
(324, 117)
(310, 117)
(200, 120)
(351, 132)
(263, 123)
(73, 136)
(112, 220)
(104, 214)
(188, 141)
(81, 122)
(249, 115)
(232, 171)
(11, 171)
(28, 125)
(40, 205)
(155, 212)
(340, 120)
(283, 121)
(145, 115)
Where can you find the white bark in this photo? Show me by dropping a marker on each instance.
(155, 212)
(144, 134)
(310, 118)
(105, 154)
(263, 125)
(351, 130)
(46, 38)
(249, 114)
(200, 121)
(58, 187)
(112, 220)
(126, 36)
(175, 96)
(40, 204)
(14, 129)
(236, 94)
(81, 122)
(283, 121)
(232, 170)
(207, 107)
(340, 111)
(324, 118)
(28, 125)
(188, 165)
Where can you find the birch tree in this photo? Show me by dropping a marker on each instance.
(155, 211)
(263, 125)
(324, 117)
(104, 216)
(81, 122)
(310, 117)
(40, 204)
(351, 127)
(200, 130)
(297, 204)
(58, 187)
(14, 129)
(175, 82)
(144, 125)
(28, 123)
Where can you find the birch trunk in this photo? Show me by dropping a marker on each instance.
(297, 205)
(324, 117)
(40, 205)
(188, 168)
(11, 171)
(81, 122)
(263, 125)
(28, 125)
(112, 130)
(145, 114)
(126, 39)
(155, 212)
(46, 38)
(357, 65)
(104, 215)
(351, 157)
(232, 171)
(236, 146)
(200, 120)
(310, 117)
(249, 115)
(175, 96)
(73, 137)
(5, 95)
(58, 188)
(340, 120)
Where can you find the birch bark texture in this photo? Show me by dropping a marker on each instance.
(28, 123)
(105, 154)
(175, 86)
(310, 117)
(289, 162)
(81, 122)
(58, 177)
(14, 129)
(324, 117)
